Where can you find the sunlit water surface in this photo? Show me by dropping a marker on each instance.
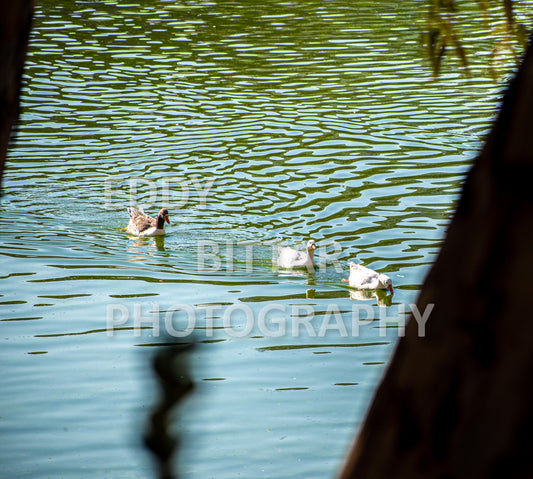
(256, 125)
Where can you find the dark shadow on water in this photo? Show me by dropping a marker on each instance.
(170, 366)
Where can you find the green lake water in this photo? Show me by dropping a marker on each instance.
(256, 124)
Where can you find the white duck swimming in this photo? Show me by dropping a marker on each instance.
(143, 225)
(366, 278)
(291, 258)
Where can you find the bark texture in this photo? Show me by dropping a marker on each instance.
(15, 25)
(458, 403)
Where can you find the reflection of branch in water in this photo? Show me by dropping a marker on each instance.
(172, 371)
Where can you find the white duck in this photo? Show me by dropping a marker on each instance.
(367, 279)
(143, 225)
(291, 258)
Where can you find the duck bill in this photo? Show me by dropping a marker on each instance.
(389, 287)
(166, 219)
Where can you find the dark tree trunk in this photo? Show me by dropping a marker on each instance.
(458, 403)
(15, 25)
